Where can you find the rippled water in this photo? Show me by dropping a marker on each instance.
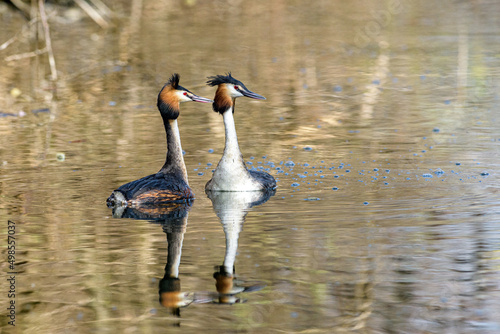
(381, 126)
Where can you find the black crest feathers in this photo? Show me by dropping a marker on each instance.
(224, 79)
(174, 81)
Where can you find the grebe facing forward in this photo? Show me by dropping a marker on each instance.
(231, 173)
(170, 184)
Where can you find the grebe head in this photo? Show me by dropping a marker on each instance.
(172, 94)
(228, 89)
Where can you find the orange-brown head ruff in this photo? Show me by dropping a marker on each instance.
(228, 90)
(168, 102)
(222, 100)
(172, 94)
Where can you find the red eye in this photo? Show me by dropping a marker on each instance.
(236, 87)
(185, 93)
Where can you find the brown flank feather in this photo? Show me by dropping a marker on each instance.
(155, 211)
(161, 196)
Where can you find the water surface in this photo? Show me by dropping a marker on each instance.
(381, 126)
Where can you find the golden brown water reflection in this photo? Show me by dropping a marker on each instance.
(385, 222)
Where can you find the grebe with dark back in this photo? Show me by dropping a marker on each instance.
(170, 184)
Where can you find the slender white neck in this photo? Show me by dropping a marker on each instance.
(175, 160)
(231, 173)
(176, 137)
(232, 224)
(231, 150)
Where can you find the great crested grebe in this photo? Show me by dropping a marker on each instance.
(170, 184)
(231, 173)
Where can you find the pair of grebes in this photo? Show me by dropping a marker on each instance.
(170, 184)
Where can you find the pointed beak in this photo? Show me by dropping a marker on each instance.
(252, 95)
(197, 98)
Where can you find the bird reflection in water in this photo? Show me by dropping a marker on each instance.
(232, 208)
(173, 218)
(171, 296)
